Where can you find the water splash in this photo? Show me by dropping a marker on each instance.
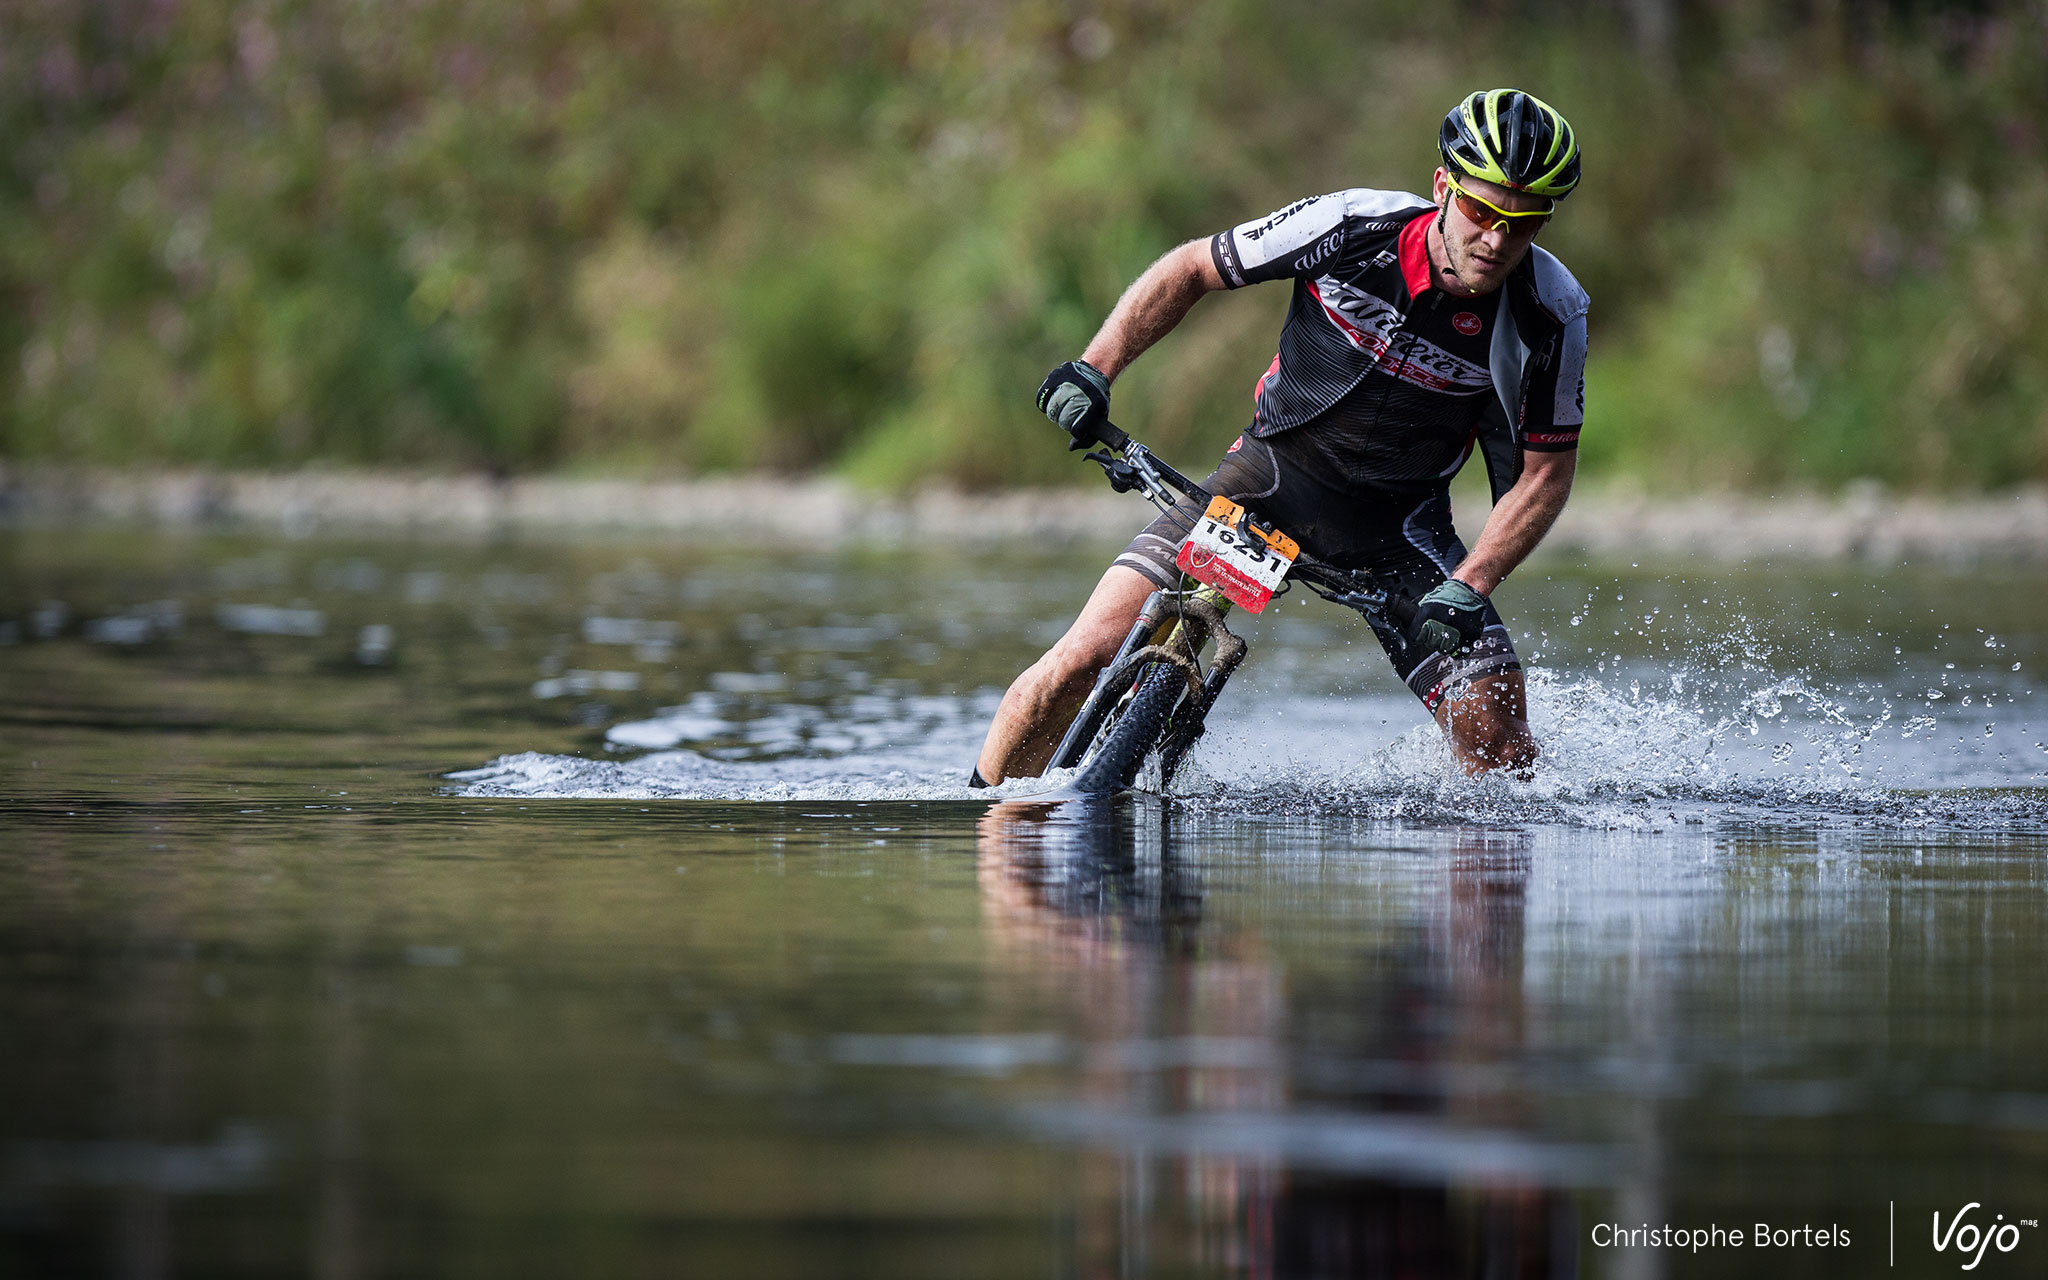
(1624, 748)
(1701, 749)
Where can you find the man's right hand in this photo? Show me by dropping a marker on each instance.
(1076, 397)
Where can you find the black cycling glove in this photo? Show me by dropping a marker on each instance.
(1449, 618)
(1076, 397)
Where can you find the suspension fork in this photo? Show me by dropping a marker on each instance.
(1171, 627)
(1149, 628)
(1191, 718)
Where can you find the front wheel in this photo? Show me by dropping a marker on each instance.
(1122, 748)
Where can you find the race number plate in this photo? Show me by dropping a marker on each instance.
(1235, 560)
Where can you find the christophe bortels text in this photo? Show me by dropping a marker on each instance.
(1612, 1235)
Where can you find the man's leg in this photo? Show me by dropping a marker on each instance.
(1036, 710)
(1477, 695)
(1487, 725)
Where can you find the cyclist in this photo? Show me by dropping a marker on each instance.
(1420, 328)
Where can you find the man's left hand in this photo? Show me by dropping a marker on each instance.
(1449, 618)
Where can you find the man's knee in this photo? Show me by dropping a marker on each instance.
(1068, 667)
(1099, 632)
(1079, 651)
(1495, 739)
(1487, 723)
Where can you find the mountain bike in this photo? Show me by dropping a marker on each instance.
(1152, 701)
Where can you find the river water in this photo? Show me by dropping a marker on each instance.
(377, 907)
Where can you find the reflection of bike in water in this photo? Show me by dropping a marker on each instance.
(1218, 1130)
(1075, 868)
(1153, 699)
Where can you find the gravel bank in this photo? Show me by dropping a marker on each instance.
(1864, 525)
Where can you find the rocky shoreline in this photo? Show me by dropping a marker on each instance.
(1864, 525)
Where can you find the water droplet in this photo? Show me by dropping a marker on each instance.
(1577, 619)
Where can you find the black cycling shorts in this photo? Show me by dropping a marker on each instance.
(1405, 540)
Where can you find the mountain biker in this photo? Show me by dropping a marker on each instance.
(1419, 329)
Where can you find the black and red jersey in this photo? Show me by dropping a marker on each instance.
(1398, 377)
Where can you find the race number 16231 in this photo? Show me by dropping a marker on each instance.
(1221, 552)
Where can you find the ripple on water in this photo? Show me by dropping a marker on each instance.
(1616, 757)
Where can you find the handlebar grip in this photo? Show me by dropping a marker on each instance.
(1112, 435)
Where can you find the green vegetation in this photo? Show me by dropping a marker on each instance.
(629, 235)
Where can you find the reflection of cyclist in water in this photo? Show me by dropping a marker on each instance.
(1191, 1033)
(1418, 328)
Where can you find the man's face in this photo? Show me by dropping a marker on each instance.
(1483, 257)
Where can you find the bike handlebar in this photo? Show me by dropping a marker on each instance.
(1353, 588)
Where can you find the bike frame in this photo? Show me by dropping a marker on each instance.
(1174, 626)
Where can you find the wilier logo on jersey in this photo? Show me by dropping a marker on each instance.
(1466, 323)
(1370, 322)
(1322, 249)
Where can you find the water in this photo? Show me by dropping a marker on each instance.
(384, 907)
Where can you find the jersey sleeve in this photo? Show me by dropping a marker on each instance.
(1284, 244)
(1554, 394)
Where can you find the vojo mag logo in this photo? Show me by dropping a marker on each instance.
(1972, 1240)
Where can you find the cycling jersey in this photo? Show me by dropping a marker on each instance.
(1398, 377)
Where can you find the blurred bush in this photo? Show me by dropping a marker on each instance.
(672, 235)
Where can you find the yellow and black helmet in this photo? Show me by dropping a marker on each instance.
(1514, 139)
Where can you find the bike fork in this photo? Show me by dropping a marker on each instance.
(1192, 720)
(1082, 731)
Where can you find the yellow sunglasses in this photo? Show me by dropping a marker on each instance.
(1490, 216)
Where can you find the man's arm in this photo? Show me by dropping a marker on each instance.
(1156, 302)
(1520, 519)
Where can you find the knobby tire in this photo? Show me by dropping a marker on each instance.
(1114, 763)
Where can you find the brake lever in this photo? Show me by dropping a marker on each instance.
(1138, 469)
(1362, 601)
(1395, 606)
(1123, 477)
